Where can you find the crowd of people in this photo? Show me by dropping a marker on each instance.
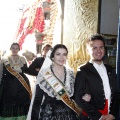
(58, 93)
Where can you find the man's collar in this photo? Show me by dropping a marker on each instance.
(94, 63)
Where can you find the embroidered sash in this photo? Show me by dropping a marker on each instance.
(19, 77)
(61, 92)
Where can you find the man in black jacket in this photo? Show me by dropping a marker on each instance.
(37, 63)
(99, 81)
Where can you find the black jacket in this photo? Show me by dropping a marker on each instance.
(89, 81)
(37, 63)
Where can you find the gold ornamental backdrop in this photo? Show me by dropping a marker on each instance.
(80, 21)
(71, 23)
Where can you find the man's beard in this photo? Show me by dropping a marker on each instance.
(98, 60)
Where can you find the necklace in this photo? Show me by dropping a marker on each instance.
(15, 58)
(14, 55)
(64, 81)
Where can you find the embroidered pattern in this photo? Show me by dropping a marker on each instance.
(60, 113)
(69, 84)
(16, 65)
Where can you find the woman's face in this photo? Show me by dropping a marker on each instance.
(60, 56)
(14, 49)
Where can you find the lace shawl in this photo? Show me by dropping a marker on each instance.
(15, 65)
(69, 84)
(8, 60)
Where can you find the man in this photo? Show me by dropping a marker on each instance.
(37, 63)
(99, 81)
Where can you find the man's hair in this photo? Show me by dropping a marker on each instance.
(46, 45)
(96, 37)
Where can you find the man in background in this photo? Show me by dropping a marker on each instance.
(37, 63)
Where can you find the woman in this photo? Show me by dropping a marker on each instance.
(15, 90)
(48, 103)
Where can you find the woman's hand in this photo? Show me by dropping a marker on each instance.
(86, 97)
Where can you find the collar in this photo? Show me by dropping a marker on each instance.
(95, 64)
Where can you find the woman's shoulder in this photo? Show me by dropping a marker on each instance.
(70, 70)
(43, 71)
(46, 69)
(22, 58)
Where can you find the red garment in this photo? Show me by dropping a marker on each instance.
(103, 112)
(38, 24)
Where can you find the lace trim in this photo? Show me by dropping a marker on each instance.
(15, 65)
(69, 85)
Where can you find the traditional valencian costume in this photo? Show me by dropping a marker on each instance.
(52, 97)
(15, 90)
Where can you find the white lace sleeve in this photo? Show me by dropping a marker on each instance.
(23, 60)
(70, 80)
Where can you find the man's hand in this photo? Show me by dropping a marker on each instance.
(108, 117)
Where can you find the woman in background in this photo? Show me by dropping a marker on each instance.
(15, 90)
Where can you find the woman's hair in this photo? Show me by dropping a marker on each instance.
(57, 47)
(15, 44)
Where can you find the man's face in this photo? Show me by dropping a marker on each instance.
(96, 50)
